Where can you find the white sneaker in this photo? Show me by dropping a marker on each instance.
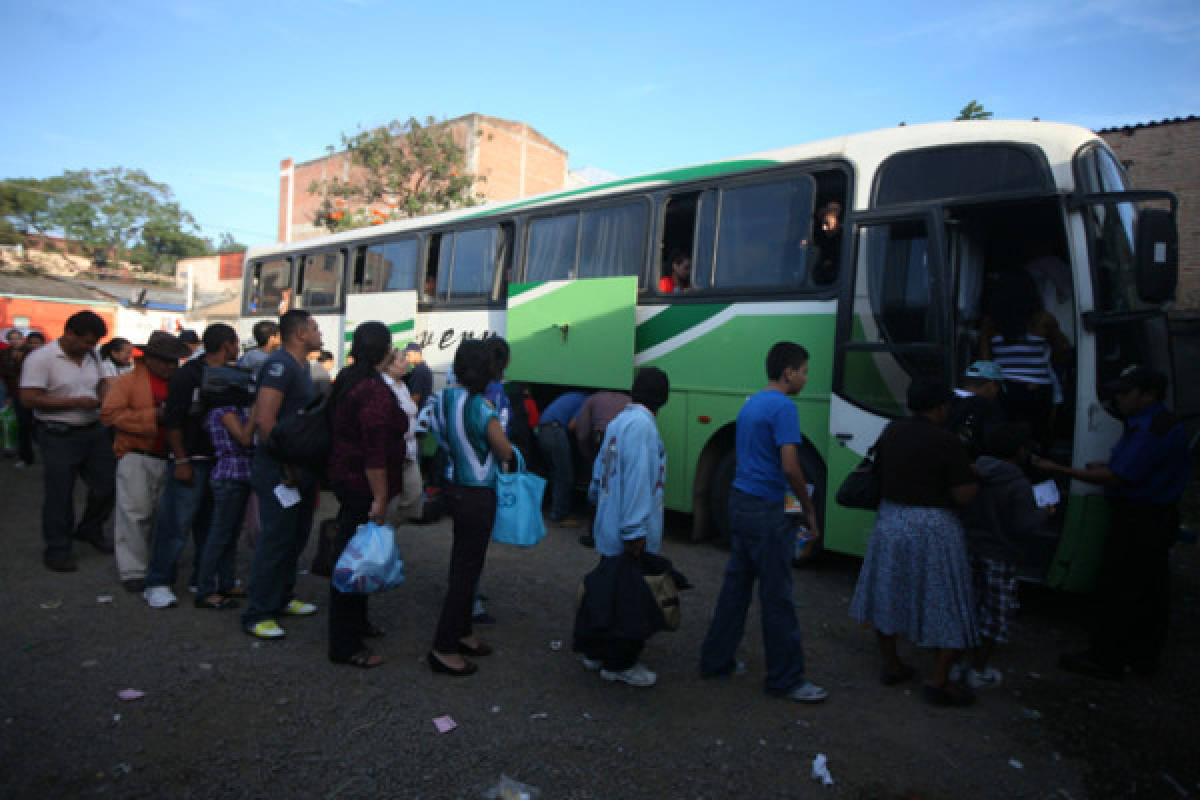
(160, 597)
(592, 664)
(637, 675)
(989, 678)
(807, 692)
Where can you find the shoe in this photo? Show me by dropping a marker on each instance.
(134, 585)
(952, 694)
(479, 651)
(905, 673)
(61, 564)
(1086, 663)
(160, 597)
(591, 664)
(298, 608)
(988, 679)
(587, 540)
(637, 675)
(807, 692)
(220, 605)
(97, 541)
(267, 629)
(363, 659)
(459, 672)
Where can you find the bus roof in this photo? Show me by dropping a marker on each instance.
(865, 151)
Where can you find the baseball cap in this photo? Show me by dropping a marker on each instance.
(412, 347)
(986, 370)
(1138, 377)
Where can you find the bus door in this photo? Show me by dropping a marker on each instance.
(893, 326)
(573, 332)
(384, 288)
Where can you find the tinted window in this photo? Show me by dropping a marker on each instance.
(269, 281)
(611, 241)
(322, 280)
(762, 235)
(467, 264)
(390, 267)
(552, 244)
(936, 173)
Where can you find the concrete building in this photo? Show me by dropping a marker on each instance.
(510, 158)
(1166, 155)
(221, 274)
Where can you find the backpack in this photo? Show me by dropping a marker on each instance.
(226, 386)
(304, 439)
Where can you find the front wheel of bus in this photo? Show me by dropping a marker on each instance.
(721, 487)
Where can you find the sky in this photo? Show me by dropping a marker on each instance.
(209, 97)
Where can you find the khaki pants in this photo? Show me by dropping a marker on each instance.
(140, 481)
(406, 506)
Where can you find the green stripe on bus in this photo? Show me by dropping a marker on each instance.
(394, 328)
(672, 322)
(515, 289)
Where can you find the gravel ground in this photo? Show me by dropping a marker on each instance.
(227, 716)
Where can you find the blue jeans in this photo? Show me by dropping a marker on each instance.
(218, 563)
(283, 533)
(553, 442)
(184, 508)
(760, 547)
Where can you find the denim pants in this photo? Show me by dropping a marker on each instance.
(760, 547)
(218, 563)
(184, 508)
(553, 442)
(78, 452)
(283, 533)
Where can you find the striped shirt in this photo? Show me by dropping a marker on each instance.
(459, 420)
(1026, 360)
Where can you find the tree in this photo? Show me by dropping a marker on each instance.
(25, 207)
(973, 110)
(398, 170)
(227, 244)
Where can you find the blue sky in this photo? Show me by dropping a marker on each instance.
(208, 97)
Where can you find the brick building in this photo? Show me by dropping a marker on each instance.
(1166, 155)
(511, 159)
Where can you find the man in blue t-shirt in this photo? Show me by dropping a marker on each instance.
(284, 387)
(768, 464)
(553, 440)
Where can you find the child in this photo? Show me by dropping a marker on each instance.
(1002, 517)
(232, 434)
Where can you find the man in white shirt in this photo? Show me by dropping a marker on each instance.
(60, 382)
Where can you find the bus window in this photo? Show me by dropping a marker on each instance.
(389, 267)
(763, 233)
(270, 280)
(467, 261)
(321, 281)
(689, 222)
(611, 241)
(553, 242)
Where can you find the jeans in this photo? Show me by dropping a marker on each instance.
(218, 563)
(283, 533)
(474, 511)
(553, 442)
(347, 611)
(78, 452)
(184, 508)
(760, 547)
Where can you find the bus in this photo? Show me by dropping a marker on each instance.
(873, 250)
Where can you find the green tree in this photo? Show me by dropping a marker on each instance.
(973, 110)
(25, 207)
(397, 170)
(163, 243)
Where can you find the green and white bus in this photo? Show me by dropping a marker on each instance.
(572, 280)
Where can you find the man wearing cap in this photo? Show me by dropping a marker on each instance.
(60, 382)
(976, 410)
(134, 407)
(1143, 479)
(419, 378)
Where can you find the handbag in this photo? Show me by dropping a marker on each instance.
(862, 487)
(666, 595)
(519, 506)
(370, 562)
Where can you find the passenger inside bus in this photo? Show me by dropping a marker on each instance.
(679, 278)
(825, 254)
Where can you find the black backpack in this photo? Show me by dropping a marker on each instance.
(305, 438)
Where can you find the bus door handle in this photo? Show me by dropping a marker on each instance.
(843, 438)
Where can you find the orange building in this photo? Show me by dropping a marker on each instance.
(510, 158)
(44, 304)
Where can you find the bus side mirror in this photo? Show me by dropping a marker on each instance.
(1157, 243)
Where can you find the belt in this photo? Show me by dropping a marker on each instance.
(148, 454)
(63, 428)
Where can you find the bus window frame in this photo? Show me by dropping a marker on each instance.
(298, 266)
(579, 209)
(1050, 185)
(496, 298)
(354, 286)
(250, 277)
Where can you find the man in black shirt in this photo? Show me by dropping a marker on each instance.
(976, 411)
(419, 378)
(186, 503)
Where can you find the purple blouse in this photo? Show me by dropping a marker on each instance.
(368, 433)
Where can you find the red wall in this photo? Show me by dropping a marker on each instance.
(49, 317)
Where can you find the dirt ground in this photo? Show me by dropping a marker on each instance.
(227, 716)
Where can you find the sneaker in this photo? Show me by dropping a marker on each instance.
(591, 664)
(637, 675)
(989, 678)
(267, 629)
(160, 597)
(807, 692)
(298, 608)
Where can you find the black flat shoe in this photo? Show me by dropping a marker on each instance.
(440, 666)
(479, 652)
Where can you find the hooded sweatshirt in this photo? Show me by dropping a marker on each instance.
(1003, 515)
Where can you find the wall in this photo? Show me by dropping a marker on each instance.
(136, 325)
(1166, 155)
(222, 273)
(49, 316)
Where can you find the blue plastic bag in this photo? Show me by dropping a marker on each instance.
(370, 562)
(519, 506)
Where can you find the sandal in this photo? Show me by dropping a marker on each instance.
(373, 631)
(952, 694)
(891, 678)
(216, 601)
(364, 659)
(236, 591)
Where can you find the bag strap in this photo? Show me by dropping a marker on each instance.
(520, 460)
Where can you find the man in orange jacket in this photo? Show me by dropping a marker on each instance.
(133, 407)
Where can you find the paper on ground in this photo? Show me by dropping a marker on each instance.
(444, 724)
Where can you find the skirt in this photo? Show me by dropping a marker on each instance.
(916, 581)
